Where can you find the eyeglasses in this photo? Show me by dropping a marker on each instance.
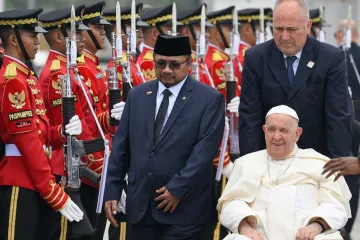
(172, 64)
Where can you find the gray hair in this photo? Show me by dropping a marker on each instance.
(304, 6)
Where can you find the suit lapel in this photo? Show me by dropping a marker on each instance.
(278, 68)
(150, 100)
(303, 72)
(182, 99)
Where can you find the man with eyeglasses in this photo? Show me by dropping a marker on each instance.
(167, 138)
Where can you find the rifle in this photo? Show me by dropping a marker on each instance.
(231, 90)
(114, 91)
(195, 67)
(73, 148)
(126, 66)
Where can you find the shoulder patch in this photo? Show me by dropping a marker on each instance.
(81, 59)
(55, 65)
(149, 55)
(10, 71)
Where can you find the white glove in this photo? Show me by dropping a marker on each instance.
(74, 127)
(122, 203)
(117, 110)
(72, 212)
(227, 170)
(233, 106)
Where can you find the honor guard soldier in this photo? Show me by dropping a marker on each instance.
(110, 16)
(249, 19)
(57, 23)
(159, 20)
(29, 192)
(191, 18)
(88, 63)
(216, 58)
(317, 18)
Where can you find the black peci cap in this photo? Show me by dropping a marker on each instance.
(167, 45)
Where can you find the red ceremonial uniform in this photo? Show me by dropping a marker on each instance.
(239, 62)
(136, 76)
(27, 134)
(216, 61)
(204, 75)
(51, 84)
(95, 79)
(146, 63)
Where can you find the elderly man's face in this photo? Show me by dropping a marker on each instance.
(281, 134)
(171, 70)
(290, 28)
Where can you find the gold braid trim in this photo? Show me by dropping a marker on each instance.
(254, 17)
(187, 20)
(316, 20)
(62, 197)
(221, 18)
(18, 22)
(152, 22)
(52, 184)
(91, 15)
(58, 193)
(123, 17)
(58, 23)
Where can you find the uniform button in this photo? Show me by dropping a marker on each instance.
(152, 154)
(37, 121)
(149, 174)
(104, 105)
(39, 132)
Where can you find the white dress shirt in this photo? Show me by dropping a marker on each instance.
(296, 62)
(175, 90)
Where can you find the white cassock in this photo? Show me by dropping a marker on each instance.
(279, 202)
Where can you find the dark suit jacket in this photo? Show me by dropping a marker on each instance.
(181, 158)
(319, 95)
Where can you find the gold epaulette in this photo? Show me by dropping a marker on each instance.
(149, 55)
(55, 65)
(218, 56)
(81, 59)
(10, 71)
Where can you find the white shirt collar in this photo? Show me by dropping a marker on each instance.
(16, 60)
(175, 90)
(210, 44)
(51, 50)
(245, 43)
(298, 55)
(147, 46)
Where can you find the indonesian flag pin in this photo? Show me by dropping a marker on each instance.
(149, 93)
(310, 64)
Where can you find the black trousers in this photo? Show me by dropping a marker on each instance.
(353, 183)
(24, 215)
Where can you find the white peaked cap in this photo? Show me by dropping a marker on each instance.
(282, 109)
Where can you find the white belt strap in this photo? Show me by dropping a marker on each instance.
(11, 150)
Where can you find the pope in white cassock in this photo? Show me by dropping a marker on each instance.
(279, 193)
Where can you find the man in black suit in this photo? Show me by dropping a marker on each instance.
(303, 73)
(169, 133)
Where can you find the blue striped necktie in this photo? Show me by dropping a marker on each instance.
(290, 71)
